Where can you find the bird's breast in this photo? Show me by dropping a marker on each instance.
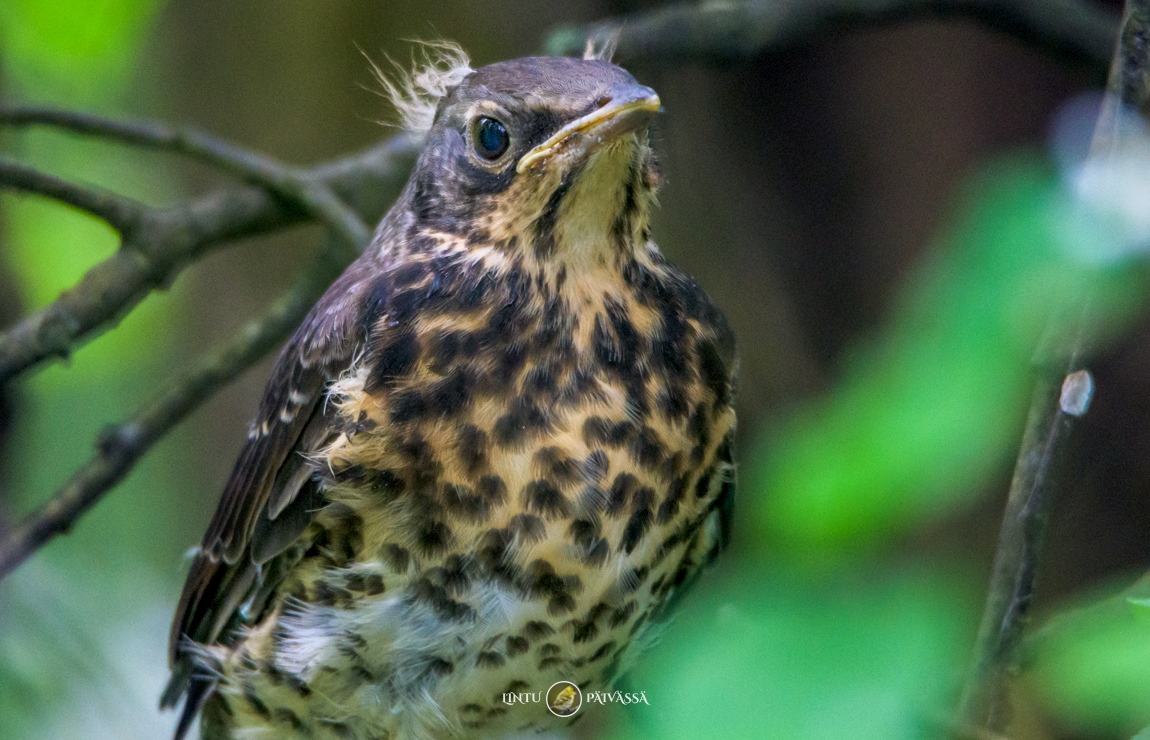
(525, 471)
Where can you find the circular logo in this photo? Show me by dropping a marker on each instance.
(564, 698)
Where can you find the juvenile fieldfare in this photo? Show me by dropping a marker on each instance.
(492, 453)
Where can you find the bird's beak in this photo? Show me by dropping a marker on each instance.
(626, 108)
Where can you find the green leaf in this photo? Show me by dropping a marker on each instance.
(860, 655)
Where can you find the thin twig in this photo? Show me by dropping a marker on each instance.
(119, 212)
(1075, 29)
(121, 445)
(295, 186)
(1020, 540)
(1059, 397)
(166, 241)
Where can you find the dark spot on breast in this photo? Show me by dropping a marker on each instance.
(549, 217)
(439, 667)
(543, 498)
(395, 556)
(510, 361)
(658, 584)
(386, 484)
(539, 580)
(285, 716)
(451, 395)
(646, 448)
(525, 420)
(527, 527)
(703, 486)
(424, 591)
(406, 406)
(460, 500)
(619, 496)
(489, 659)
(549, 649)
(539, 379)
(606, 347)
(516, 646)
(670, 506)
(492, 488)
(596, 555)
(536, 630)
(602, 651)
(343, 537)
(600, 431)
(669, 543)
(552, 463)
(393, 360)
(584, 532)
(257, 705)
(432, 537)
(636, 527)
(585, 632)
(471, 448)
(328, 595)
(582, 386)
(373, 585)
(714, 373)
(672, 401)
(621, 614)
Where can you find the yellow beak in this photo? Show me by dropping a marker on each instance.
(628, 108)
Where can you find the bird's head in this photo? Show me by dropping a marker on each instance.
(547, 157)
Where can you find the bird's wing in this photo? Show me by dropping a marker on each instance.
(270, 497)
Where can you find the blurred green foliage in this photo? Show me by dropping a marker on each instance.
(58, 613)
(925, 414)
(860, 653)
(1092, 665)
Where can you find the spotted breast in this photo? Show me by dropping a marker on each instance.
(494, 452)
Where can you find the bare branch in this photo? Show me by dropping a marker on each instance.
(1075, 29)
(121, 213)
(121, 445)
(166, 241)
(1060, 396)
(1020, 540)
(295, 186)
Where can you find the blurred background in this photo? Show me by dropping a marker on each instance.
(864, 209)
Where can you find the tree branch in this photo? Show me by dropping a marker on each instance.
(121, 445)
(1058, 398)
(119, 212)
(1074, 29)
(296, 186)
(165, 241)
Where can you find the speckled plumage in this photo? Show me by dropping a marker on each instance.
(488, 458)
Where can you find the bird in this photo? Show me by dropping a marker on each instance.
(492, 456)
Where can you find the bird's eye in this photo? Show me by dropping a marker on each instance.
(490, 138)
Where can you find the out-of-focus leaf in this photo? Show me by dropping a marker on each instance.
(1093, 669)
(925, 415)
(858, 655)
(85, 45)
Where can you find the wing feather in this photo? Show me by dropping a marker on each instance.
(270, 497)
